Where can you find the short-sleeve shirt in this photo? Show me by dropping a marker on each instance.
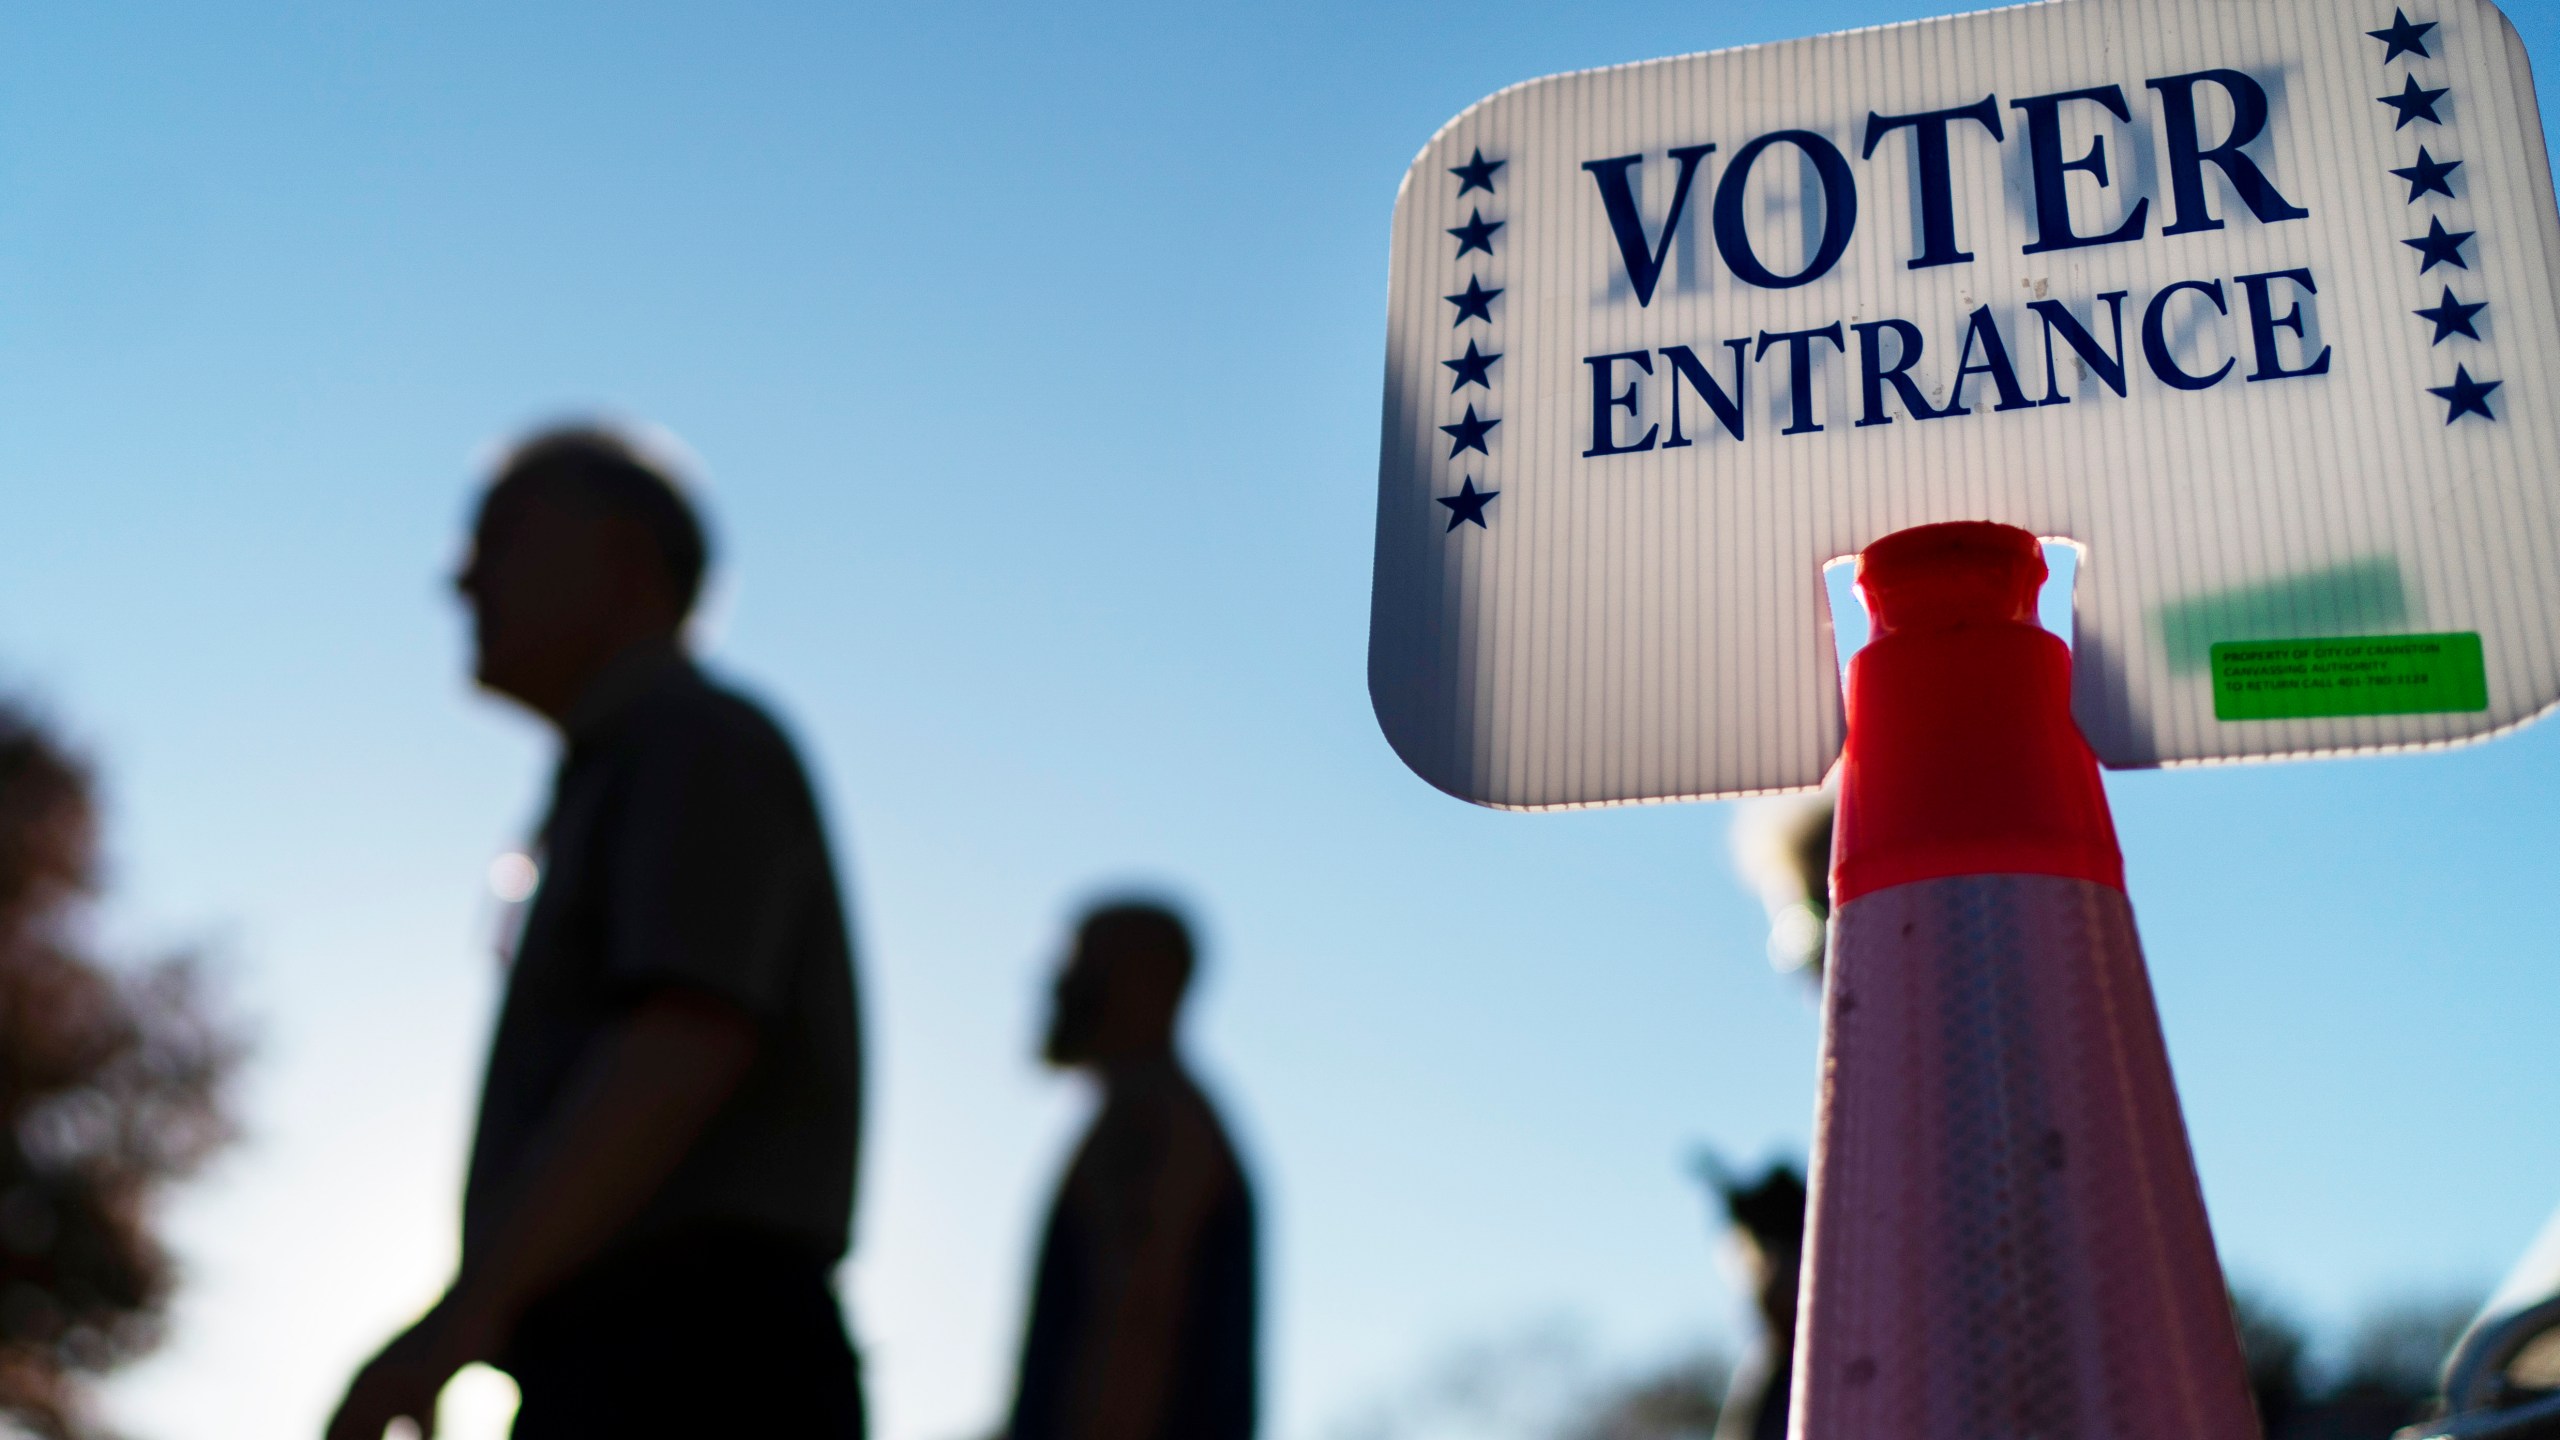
(684, 850)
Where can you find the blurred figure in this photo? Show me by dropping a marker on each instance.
(111, 1086)
(2502, 1378)
(1143, 1310)
(1767, 1216)
(663, 1173)
(1782, 847)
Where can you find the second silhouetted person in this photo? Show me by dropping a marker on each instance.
(1143, 1307)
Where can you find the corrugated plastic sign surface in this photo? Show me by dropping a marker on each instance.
(2252, 299)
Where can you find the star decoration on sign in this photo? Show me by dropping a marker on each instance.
(1476, 174)
(1468, 434)
(2428, 176)
(1467, 505)
(1475, 304)
(2403, 38)
(1476, 234)
(1472, 368)
(2414, 102)
(2465, 396)
(2451, 317)
(2440, 247)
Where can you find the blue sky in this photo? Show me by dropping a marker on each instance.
(1032, 357)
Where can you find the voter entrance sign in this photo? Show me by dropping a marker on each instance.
(2253, 300)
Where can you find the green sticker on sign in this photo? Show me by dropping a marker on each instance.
(2348, 675)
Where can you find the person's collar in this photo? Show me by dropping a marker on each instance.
(625, 678)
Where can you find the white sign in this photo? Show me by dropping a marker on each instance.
(2252, 299)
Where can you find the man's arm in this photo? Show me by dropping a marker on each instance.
(639, 1101)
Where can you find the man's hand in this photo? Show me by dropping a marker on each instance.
(403, 1380)
(637, 1103)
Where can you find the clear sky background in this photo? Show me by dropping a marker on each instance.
(1032, 356)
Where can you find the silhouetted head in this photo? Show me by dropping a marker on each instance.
(1121, 987)
(584, 546)
(1782, 846)
(1768, 1219)
(1770, 1210)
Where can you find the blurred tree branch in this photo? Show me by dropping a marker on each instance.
(112, 1085)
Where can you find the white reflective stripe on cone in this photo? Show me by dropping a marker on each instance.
(2007, 1236)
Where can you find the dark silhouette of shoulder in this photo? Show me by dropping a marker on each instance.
(687, 713)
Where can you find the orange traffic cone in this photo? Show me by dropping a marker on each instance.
(2007, 1240)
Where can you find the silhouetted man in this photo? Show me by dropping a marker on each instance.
(1768, 1220)
(1143, 1312)
(663, 1174)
